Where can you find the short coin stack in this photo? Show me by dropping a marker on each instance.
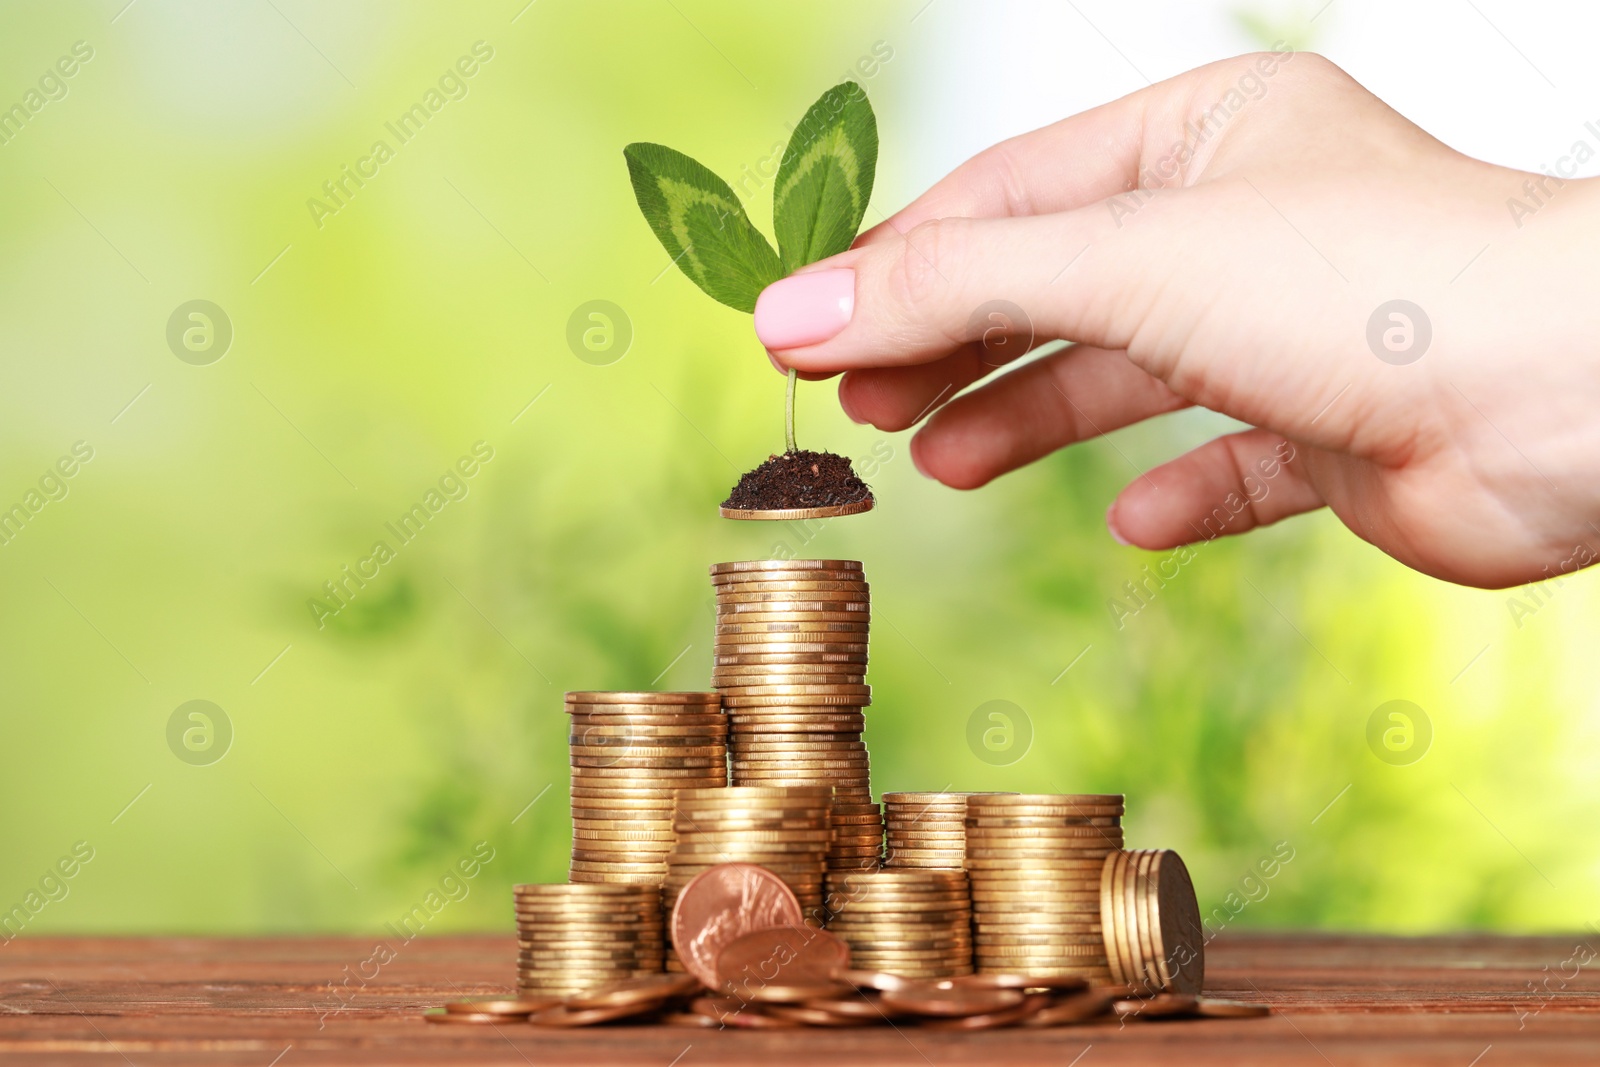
(926, 829)
(630, 753)
(910, 923)
(1035, 862)
(785, 829)
(1154, 938)
(576, 937)
(857, 836)
(791, 663)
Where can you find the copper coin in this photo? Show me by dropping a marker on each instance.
(1032, 1004)
(944, 999)
(1073, 1008)
(465, 1018)
(636, 991)
(722, 904)
(783, 964)
(1160, 1006)
(567, 1017)
(730, 1011)
(501, 1005)
(1059, 983)
(1218, 1008)
(809, 1015)
(868, 1007)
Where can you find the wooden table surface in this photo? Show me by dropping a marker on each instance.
(1466, 1001)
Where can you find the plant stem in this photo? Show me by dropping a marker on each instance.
(788, 412)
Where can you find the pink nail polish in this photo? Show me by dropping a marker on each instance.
(1111, 525)
(805, 309)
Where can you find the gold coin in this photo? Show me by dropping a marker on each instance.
(623, 717)
(663, 775)
(758, 630)
(771, 836)
(591, 757)
(745, 566)
(814, 679)
(754, 583)
(566, 892)
(792, 585)
(593, 697)
(792, 600)
(845, 745)
(733, 670)
(1025, 800)
(731, 795)
(800, 643)
(780, 690)
(831, 660)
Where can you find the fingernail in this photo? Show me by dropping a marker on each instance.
(1111, 524)
(779, 367)
(805, 309)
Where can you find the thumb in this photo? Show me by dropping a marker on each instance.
(917, 297)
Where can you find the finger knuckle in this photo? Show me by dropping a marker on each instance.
(920, 276)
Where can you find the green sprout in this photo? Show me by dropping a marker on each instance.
(818, 200)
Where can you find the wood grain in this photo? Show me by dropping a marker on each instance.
(295, 1002)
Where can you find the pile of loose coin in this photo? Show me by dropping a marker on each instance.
(631, 753)
(754, 963)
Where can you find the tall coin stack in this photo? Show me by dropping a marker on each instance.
(631, 752)
(1035, 862)
(785, 830)
(791, 664)
(911, 923)
(926, 829)
(575, 937)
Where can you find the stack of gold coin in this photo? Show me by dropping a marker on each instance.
(576, 937)
(1154, 937)
(911, 923)
(1035, 862)
(786, 830)
(791, 664)
(926, 829)
(631, 752)
(857, 836)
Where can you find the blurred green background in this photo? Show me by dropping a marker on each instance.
(429, 313)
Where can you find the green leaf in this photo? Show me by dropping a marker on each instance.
(702, 225)
(825, 178)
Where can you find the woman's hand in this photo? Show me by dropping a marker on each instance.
(1234, 238)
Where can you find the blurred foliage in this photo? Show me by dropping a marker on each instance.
(425, 315)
